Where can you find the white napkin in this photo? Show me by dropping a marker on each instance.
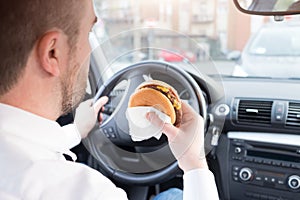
(139, 127)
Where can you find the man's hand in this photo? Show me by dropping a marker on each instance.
(86, 115)
(186, 142)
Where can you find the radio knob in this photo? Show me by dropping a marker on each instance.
(294, 182)
(246, 174)
(237, 150)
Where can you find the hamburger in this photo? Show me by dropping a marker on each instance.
(159, 95)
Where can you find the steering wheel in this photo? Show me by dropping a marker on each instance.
(140, 163)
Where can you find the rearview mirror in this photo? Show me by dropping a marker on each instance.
(269, 7)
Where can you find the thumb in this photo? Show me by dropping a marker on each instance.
(168, 129)
(100, 103)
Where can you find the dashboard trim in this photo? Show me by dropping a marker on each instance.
(276, 138)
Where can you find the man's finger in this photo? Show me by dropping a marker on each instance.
(100, 103)
(167, 129)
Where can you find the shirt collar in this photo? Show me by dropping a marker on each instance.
(33, 128)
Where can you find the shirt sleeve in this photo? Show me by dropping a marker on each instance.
(199, 184)
(72, 135)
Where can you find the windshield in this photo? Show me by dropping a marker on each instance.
(202, 36)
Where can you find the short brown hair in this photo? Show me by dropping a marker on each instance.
(23, 22)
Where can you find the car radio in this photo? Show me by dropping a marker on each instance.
(272, 167)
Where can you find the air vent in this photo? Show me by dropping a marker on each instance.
(293, 118)
(258, 112)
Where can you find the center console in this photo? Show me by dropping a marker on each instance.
(264, 166)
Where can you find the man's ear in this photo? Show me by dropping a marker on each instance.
(50, 52)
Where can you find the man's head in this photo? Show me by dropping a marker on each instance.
(46, 42)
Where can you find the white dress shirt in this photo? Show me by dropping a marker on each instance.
(32, 166)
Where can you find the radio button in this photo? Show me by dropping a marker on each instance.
(298, 166)
(294, 182)
(273, 180)
(236, 168)
(276, 163)
(284, 164)
(258, 178)
(294, 166)
(236, 158)
(245, 174)
(267, 162)
(280, 182)
(237, 150)
(257, 160)
(266, 179)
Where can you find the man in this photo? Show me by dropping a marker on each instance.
(43, 72)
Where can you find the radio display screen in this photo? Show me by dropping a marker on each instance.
(274, 156)
(271, 174)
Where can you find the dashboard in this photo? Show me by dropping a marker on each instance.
(262, 105)
(258, 152)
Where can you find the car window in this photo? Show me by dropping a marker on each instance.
(212, 37)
